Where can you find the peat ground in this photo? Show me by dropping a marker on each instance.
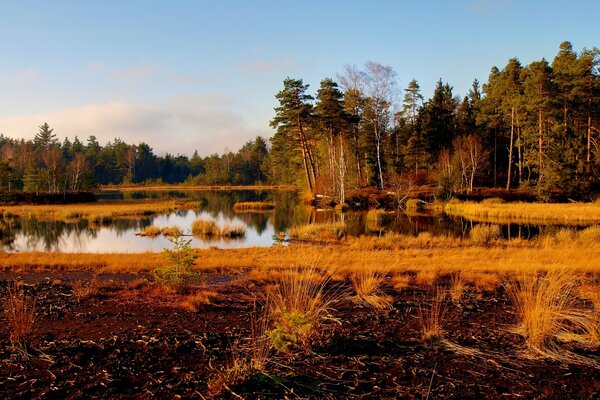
(130, 340)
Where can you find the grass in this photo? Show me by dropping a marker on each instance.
(431, 317)
(98, 213)
(208, 229)
(549, 213)
(171, 231)
(318, 232)
(549, 309)
(150, 231)
(297, 305)
(198, 299)
(484, 234)
(20, 315)
(253, 206)
(367, 284)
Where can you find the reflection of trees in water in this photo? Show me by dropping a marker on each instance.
(8, 230)
(51, 235)
(126, 225)
(258, 221)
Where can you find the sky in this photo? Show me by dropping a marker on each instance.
(202, 75)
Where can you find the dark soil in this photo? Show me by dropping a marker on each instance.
(129, 340)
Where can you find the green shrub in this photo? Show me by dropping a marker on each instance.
(179, 269)
(291, 332)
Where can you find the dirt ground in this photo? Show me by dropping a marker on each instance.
(129, 340)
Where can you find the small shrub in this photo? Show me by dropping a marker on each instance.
(484, 234)
(233, 231)
(180, 262)
(457, 287)
(81, 290)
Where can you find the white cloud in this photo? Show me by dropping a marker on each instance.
(269, 65)
(178, 124)
(21, 77)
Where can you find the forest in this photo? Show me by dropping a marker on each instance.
(533, 127)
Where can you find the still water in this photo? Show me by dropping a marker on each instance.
(262, 229)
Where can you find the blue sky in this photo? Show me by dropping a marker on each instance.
(202, 75)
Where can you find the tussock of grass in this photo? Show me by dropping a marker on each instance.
(20, 315)
(253, 206)
(318, 232)
(171, 231)
(548, 309)
(484, 234)
(208, 229)
(151, 231)
(457, 286)
(431, 316)
(297, 305)
(526, 212)
(195, 301)
(367, 284)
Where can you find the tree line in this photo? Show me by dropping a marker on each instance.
(533, 127)
(44, 164)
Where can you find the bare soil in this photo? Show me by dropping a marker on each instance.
(132, 341)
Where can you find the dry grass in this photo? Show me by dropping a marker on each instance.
(484, 234)
(431, 317)
(318, 232)
(548, 309)
(401, 281)
(253, 206)
(527, 212)
(198, 299)
(208, 229)
(367, 284)
(298, 305)
(81, 289)
(151, 231)
(98, 213)
(20, 315)
(457, 286)
(171, 231)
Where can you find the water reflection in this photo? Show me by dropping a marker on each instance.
(262, 229)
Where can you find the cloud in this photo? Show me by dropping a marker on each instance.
(269, 65)
(21, 77)
(179, 124)
(128, 74)
(489, 7)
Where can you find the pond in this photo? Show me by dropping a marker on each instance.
(262, 228)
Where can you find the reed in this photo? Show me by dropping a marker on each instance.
(253, 206)
(198, 299)
(484, 234)
(171, 231)
(233, 231)
(205, 228)
(431, 317)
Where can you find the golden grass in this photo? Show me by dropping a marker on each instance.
(297, 305)
(98, 212)
(151, 231)
(81, 289)
(171, 231)
(253, 206)
(431, 317)
(367, 284)
(548, 309)
(196, 300)
(318, 232)
(20, 315)
(457, 286)
(549, 213)
(484, 234)
(208, 229)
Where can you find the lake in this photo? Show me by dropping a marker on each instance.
(262, 228)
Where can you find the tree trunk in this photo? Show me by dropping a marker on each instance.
(541, 144)
(342, 170)
(378, 149)
(510, 148)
